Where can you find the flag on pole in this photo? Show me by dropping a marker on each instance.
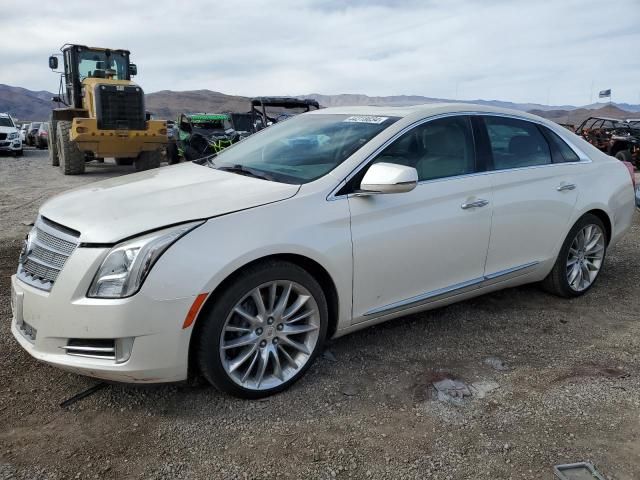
(604, 93)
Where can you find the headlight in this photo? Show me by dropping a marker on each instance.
(127, 264)
(12, 136)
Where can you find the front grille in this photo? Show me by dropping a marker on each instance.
(45, 252)
(99, 348)
(120, 107)
(3, 136)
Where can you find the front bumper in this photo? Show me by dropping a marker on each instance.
(14, 145)
(118, 143)
(44, 322)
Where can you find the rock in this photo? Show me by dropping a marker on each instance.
(349, 390)
(497, 364)
(451, 390)
(482, 388)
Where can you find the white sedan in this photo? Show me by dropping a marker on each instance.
(241, 266)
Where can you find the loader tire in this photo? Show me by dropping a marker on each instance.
(148, 160)
(53, 142)
(71, 159)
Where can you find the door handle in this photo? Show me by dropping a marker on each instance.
(476, 204)
(566, 186)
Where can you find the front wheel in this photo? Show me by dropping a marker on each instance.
(264, 330)
(148, 160)
(580, 260)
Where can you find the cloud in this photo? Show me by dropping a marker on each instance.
(510, 50)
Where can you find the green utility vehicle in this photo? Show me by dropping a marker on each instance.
(200, 135)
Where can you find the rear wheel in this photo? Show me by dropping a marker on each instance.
(172, 154)
(624, 156)
(580, 260)
(148, 160)
(71, 159)
(263, 331)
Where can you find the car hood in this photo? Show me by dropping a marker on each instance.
(8, 129)
(118, 208)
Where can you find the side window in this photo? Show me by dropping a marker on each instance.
(516, 143)
(566, 152)
(436, 149)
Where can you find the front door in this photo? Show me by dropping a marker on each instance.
(416, 247)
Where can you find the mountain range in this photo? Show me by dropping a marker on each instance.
(30, 105)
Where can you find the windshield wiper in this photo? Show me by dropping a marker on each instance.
(241, 170)
(208, 160)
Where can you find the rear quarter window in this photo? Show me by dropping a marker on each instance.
(565, 151)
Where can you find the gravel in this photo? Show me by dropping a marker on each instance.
(569, 390)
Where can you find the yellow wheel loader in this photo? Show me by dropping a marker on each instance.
(104, 113)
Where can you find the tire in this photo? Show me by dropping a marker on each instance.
(172, 154)
(71, 159)
(53, 142)
(558, 280)
(148, 160)
(269, 339)
(125, 161)
(624, 156)
(191, 153)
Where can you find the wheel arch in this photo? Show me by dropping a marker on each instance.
(604, 217)
(315, 269)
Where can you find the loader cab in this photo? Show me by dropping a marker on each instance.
(81, 62)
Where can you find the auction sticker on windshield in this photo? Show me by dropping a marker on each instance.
(365, 119)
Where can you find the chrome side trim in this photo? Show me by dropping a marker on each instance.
(442, 293)
(508, 271)
(426, 297)
(584, 158)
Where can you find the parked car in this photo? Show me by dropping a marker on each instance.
(32, 131)
(9, 135)
(241, 266)
(23, 132)
(42, 136)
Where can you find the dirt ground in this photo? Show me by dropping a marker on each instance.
(570, 391)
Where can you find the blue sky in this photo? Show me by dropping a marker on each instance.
(561, 52)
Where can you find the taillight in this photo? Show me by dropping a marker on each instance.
(632, 172)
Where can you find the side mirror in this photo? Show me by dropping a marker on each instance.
(53, 62)
(56, 99)
(133, 69)
(388, 178)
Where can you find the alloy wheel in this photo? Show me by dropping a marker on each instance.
(269, 335)
(585, 257)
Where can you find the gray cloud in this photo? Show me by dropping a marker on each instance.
(511, 50)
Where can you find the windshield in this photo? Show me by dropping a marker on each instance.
(6, 122)
(303, 148)
(94, 63)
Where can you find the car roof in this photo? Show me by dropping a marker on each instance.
(425, 110)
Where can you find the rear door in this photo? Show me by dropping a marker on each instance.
(534, 193)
